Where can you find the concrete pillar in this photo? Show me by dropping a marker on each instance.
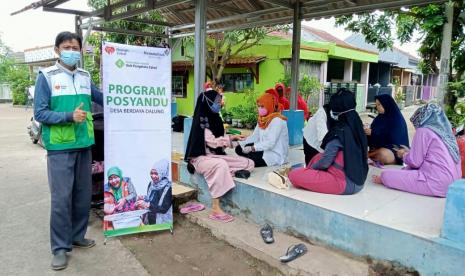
(187, 132)
(364, 79)
(200, 47)
(445, 52)
(296, 33)
(348, 69)
(295, 122)
(323, 78)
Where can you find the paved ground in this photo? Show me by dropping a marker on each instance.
(25, 205)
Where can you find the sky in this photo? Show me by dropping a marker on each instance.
(36, 28)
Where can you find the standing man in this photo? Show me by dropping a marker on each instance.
(62, 103)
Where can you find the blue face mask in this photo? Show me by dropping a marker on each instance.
(69, 57)
(215, 106)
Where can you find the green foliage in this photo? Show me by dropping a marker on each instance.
(17, 76)
(427, 20)
(247, 111)
(18, 79)
(223, 46)
(92, 62)
(455, 111)
(308, 85)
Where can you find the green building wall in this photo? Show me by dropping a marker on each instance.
(271, 70)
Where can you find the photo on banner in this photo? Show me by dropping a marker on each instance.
(137, 109)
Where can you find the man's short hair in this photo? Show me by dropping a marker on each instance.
(65, 36)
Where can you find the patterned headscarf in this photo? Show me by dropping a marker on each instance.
(432, 116)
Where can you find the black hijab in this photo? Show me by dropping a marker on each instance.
(204, 118)
(349, 130)
(388, 129)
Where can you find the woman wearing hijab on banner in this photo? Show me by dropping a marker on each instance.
(269, 143)
(314, 132)
(205, 151)
(342, 167)
(122, 190)
(433, 162)
(387, 132)
(159, 194)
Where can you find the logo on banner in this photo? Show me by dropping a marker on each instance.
(119, 63)
(109, 49)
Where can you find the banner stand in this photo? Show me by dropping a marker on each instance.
(137, 137)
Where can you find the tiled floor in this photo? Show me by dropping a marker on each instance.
(415, 214)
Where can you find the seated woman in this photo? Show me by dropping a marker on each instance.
(433, 162)
(342, 167)
(314, 132)
(205, 151)
(121, 189)
(387, 131)
(159, 197)
(269, 143)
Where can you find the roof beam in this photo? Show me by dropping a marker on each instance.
(68, 11)
(146, 8)
(214, 6)
(368, 8)
(130, 32)
(281, 3)
(230, 18)
(151, 22)
(56, 3)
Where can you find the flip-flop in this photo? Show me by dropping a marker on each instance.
(221, 217)
(192, 207)
(293, 252)
(267, 233)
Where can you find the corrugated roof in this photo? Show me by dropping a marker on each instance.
(236, 14)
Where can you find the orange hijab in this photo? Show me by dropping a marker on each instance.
(270, 102)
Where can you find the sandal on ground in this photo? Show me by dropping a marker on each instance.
(267, 234)
(192, 207)
(293, 252)
(221, 217)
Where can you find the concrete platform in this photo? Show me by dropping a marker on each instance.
(245, 235)
(378, 222)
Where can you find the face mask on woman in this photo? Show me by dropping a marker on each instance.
(335, 115)
(262, 112)
(215, 106)
(70, 57)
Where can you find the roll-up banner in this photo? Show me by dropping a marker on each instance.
(137, 113)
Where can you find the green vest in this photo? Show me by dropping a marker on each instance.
(68, 91)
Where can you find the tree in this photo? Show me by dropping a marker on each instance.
(92, 63)
(428, 20)
(16, 75)
(223, 46)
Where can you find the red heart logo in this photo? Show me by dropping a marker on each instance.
(109, 49)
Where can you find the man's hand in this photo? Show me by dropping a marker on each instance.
(79, 115)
